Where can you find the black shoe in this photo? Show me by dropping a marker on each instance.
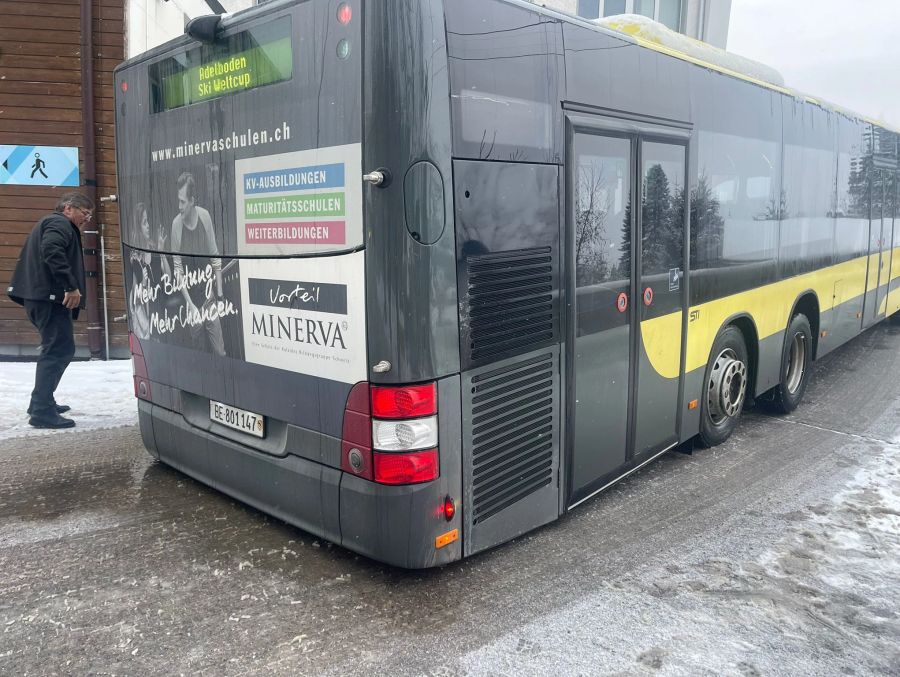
(53, 421)
(60, 409)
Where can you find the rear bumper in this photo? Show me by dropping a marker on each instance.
(396, 525)
(296, 490)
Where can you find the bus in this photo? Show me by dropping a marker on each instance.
(420, 276)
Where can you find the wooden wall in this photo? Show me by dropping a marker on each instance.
(40, 104)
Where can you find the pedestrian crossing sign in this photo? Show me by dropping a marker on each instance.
(39, 166)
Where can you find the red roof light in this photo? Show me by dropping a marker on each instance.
(345, 13)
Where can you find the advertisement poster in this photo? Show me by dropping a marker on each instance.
(306, 315)
(180, 289)
(301, 202)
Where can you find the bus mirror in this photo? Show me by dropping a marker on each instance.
(204, 28)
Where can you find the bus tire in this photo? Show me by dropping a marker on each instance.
(725, 387)
(796, 363)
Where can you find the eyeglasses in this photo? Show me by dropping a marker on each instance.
(86, 213)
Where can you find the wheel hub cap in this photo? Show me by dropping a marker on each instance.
(727, 386)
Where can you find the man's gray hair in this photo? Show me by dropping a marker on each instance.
(74, 199)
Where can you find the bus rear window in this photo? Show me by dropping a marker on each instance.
(259, 56)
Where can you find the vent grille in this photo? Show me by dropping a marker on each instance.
(512, 434)
(510, 298)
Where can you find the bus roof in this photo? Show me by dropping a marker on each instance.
(628, 31)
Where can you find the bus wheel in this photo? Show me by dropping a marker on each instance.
(796, 361)
(725, 387)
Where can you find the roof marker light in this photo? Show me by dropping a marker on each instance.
(345, 13)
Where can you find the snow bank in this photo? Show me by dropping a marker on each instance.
(650, 31)
(101, 395)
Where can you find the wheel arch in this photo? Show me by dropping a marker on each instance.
(807, 303)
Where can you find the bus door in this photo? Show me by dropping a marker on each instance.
(626, 255)
(892, 301)
(889, 241)
(880, 227)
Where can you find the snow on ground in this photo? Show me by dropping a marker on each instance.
(826, 583)
(101, 395)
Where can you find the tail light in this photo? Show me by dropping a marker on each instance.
(356, 439)
(405, 401)
(406, 468)
(139, 367)
(390, 433)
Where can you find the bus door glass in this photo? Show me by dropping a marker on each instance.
(887, 243)
(659, 301)
(893, 292)
(879, 240)
(626, 347)
(601, 188)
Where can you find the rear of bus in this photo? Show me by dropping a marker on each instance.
(294, 328)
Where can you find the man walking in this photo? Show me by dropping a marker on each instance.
(48, 280)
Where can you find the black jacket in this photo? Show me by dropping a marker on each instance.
(50, 263)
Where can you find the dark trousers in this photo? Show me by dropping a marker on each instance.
(54, 322)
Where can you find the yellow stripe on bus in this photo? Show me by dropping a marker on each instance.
(660, 336)
(767, 306)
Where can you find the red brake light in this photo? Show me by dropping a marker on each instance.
(404, 401)
(345, 13)
(409, 468)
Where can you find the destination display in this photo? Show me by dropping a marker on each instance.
(260, 56)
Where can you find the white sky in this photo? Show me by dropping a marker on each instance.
(844, 51)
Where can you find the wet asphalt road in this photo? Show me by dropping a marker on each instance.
(723, 562)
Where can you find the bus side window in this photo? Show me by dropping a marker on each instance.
(740, 223)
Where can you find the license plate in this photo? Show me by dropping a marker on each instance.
(239, 419)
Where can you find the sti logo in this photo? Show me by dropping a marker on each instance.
(695, 315)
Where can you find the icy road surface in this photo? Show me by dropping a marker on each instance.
(777, 553)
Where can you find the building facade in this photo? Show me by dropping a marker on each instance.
(153, 22)
(705, 20)
(58, 109)
(57, 135)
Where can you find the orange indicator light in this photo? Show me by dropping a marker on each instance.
(446, 539)
(693, 404)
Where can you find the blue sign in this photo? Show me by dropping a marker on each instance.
(295, 178)
(39, 166)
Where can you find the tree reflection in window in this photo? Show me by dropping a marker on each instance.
(601, 193)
